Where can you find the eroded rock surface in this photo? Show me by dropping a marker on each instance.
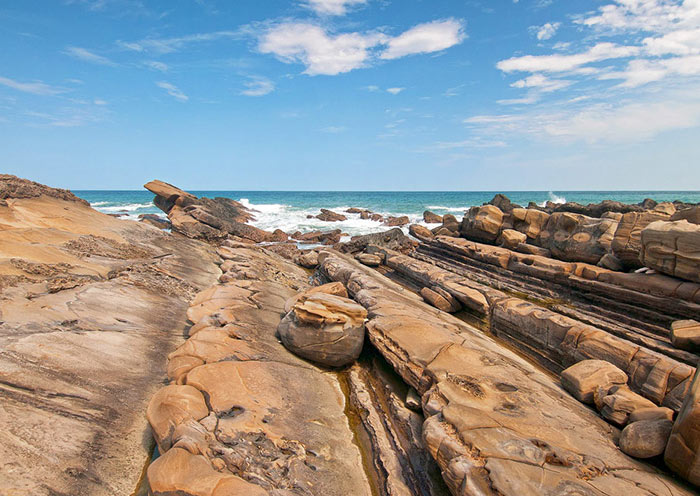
(672, 248)
(91, 305)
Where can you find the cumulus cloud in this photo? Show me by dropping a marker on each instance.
(173, 90)
(34, 87)
(547, 30)
(326, 53)
(425, 38)
(332, 7)
(87, 56)
(258, 86)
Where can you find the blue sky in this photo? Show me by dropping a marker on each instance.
(352, 94)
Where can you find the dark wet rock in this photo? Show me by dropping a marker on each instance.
(155, 220)
(503, 203)
(432, 218)
(330, 216)
(394, 239)
(420, 232)
(14, 188)
(396, 221)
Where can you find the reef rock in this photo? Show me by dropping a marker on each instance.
(627, 242)
(482, 224)
(432, 218)
(397, 221)
(330, 216)
(393, 239)
(420, 232)
(577, 238)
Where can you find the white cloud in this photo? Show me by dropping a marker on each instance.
(87, 55)
(372, 88)
(395, 91)
(645, 15)
(332, 7)
(564, 63)
(547, 30)
(426, 38)
(158, 66)
(679, 42)
(34, 87)
(173, 90)
(644, 71)
(258, 86)
(541, 83)
(329, 54)
(319, 51)
(170, 45)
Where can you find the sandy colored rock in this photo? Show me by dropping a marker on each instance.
(330, 216)
(682, 453)
(440, 299)
(172, 406)
(510, 238)
(645, 438)
(620, 402)
(431, 218)
(611, 262)
(420, 232)
(691, 214)
(649, 413)
(309, 259)
(529, 221)
(577, 238)
(627, 242)
(368, 259)
(332, 288)
(397, 221)
(325, 329)
(583, 378)
(685, 334)
(672, 248)
(482, 224)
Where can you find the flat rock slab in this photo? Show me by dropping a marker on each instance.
(495, 424)
(91, 305)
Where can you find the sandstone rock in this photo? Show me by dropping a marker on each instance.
(355, 210)
(318, 237)
(332, 288)
(450, 223)
(324, 328)
(15, 188)
(627, 242)
(665, 208)
(421, 232)
(685, 334)
(510, 238)
(583, 378)
(672, 248)
(397, 221)
(330, 216)
(440, 299)
(393, 239)
(482, 224)
(172, 406)
(577, 238)
(620, 402)
(503, 202)
(682, 453)
(376, 217)
(155, 221)
(645, 438)
(432, 218)
(309, 259)
(692, 215)
(611, 262)
(656, 413)
(529, 221)
(369, 259)
(533, 250)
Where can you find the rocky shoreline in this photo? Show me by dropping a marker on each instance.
(539, 350)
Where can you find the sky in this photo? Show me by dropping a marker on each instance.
(466, 95)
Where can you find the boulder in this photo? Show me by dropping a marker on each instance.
(672, 248)
(627, 242)
(665, 208)
(620, 402)
(450, 223)
(420, 232)
(332, 288)
(649, 413)
(685, 335)
(431, 218)
(319, 237)
(393, 239)
(691, 214)
(308, 259)
(583, 378)
(645, 438)
(503, 202)
(682, 453)
(482, 224)
(577, 238)
(510, 238)
(171, 406)
(529, 221)
(376, 217)
(368, 259)
(326, 329)
(330, 216)
(397, 221)
(611, 262)
(441, 299)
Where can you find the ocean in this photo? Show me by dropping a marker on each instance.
(288, 210)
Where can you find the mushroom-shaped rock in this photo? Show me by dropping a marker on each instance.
(645, 438)
(583, 378)
(325, 329)
(332, 288)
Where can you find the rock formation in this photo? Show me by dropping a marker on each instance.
(330, 216)
(431, 218)
(672, 248)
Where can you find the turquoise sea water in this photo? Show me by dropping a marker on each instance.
(288, 210)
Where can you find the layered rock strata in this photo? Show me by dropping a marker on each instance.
(494, 423)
